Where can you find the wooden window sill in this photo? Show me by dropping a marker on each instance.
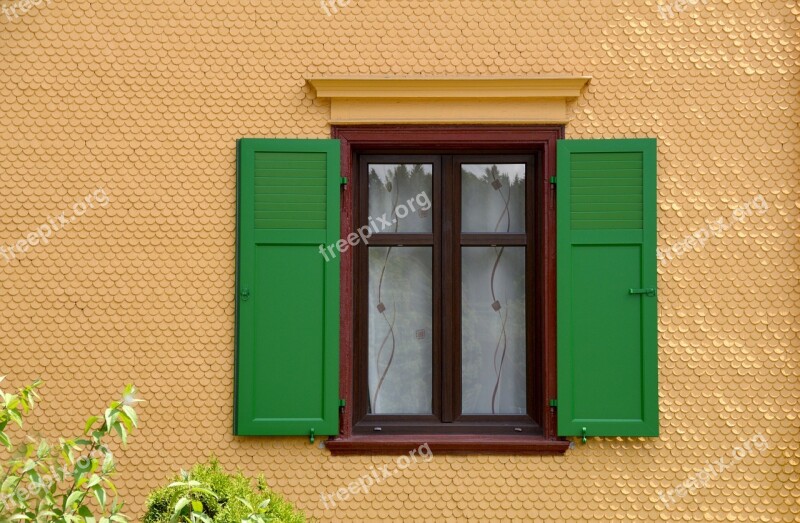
(446, 443)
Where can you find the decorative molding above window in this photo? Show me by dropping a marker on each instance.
(541, 99)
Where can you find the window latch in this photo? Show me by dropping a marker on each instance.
(245, 293)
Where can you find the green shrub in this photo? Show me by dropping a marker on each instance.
(207, 494)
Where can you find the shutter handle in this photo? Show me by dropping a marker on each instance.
(244, 293)
(648, 292)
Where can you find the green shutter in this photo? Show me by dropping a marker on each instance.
(607, 332)
(287, 299)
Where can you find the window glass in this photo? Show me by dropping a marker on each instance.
(493, 198)
(400, 330)
(493, 368)
(398, 193)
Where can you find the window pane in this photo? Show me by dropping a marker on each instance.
(400, 195)
(493, 367)
(493, 198)
(400, 330)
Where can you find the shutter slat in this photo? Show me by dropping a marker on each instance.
(578, 207)
(634, 174)
(607, 181)
(608, 191)
(607, 337)
(606, 198)
(297, 206)
(289, 181)
(602, 156)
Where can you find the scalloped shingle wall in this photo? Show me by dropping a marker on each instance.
(144, 100)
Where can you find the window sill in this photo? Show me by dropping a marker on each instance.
(448, 444)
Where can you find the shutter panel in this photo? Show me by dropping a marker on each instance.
(287, 306)
(607, 323)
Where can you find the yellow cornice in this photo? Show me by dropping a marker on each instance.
(372, 87)
(540, 99)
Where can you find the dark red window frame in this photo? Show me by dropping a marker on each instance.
(378, 139)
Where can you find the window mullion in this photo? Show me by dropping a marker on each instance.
(451, 275)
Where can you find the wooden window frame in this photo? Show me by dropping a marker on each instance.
(466, 140)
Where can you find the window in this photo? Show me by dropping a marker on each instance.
(447, 294)
(441, 329)
(524, 419)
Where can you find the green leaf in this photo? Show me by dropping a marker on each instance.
(109, 419)
(108, 463)
(123, 434)
(13, 402)
(72, 499)
(15, 417)
(245, 503)
(197, 506)
(100, 494)
(131, 413)
(8, 484)
(110, 485)
(91, 421)
(5, 441)
(93, 481)
(179, 506)
(125, 420)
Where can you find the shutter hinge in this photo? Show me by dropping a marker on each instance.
(343, 180)
(553, 403)
(553, 180)
(311, 436)
(342, 403)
